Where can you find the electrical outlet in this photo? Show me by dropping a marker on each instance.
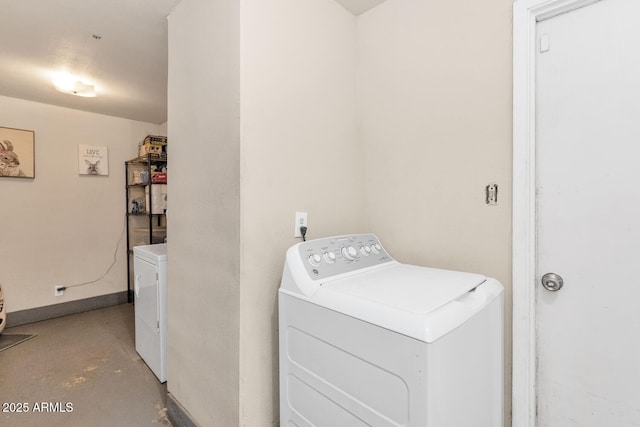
(58, 290)
(301, 221)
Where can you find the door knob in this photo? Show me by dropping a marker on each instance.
(552, 282)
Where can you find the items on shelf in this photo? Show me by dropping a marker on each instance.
(159, 177)
(156, 198)
(139, 177)
(138, 206)
(154, 145)
(146, 191)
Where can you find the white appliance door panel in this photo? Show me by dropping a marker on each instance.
(337, 370)
(147, 320)
(350, 371)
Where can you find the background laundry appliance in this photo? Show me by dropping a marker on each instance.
(368, 341)
(150, 305)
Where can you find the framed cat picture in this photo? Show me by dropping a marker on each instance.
(93, 160)
(17, 153)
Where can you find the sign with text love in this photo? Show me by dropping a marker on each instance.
(93, 160)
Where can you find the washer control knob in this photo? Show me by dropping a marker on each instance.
(376, 248)
(349, 253)
(330, 257)
(315, 260)
(365, 250)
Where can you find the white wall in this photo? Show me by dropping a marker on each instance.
(435, 114)
(63, 228)
(203, 221)
(299, 153)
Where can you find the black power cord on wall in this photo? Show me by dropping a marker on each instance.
(113, 263)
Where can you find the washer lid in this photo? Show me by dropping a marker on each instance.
(419, 302)
(407, 288)
(151, 252)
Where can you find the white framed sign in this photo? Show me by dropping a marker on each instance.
(93, 160)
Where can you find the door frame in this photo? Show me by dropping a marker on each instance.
(526, 14)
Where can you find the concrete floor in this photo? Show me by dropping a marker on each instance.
(85, 361)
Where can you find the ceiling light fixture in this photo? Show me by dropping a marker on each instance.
(66, 83)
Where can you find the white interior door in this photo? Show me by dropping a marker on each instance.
(588, 216)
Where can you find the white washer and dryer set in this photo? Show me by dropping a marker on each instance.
(368, 341)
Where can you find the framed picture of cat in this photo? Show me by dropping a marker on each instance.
(93, 160)
(17, 153)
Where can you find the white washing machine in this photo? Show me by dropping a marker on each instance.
(150, 305)
(368, 341)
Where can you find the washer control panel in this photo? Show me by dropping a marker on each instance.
(332, 256)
